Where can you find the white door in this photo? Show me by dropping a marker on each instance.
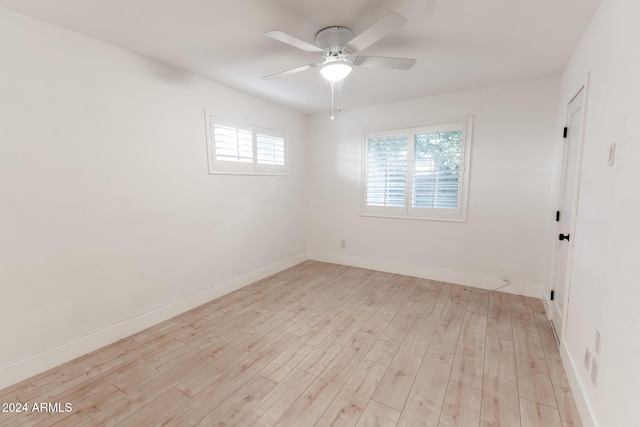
(567, 212)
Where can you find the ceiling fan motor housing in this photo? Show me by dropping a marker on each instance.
(334, 41)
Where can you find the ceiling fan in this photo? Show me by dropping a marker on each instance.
(339, 46)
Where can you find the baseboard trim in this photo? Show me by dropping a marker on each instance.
(544, 293)
(34, 365)
(587, 414)
(458, 278)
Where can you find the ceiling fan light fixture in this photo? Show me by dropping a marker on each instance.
(336, 70)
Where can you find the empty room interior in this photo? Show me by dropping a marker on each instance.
(315, 213)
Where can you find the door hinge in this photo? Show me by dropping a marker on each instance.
(557, 216)
(565, 131)
(552, 295)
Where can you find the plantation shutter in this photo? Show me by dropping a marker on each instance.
(270, 148)
(436, 170)
(233, 142)
(387, 164)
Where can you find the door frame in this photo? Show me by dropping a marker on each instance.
(560, 330)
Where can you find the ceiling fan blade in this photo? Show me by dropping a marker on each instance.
(292, 41)
(291, 71)
(391, 21)
(384, 62)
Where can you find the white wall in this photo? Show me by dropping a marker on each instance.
(604, 291)
(109, 221)
(510, 210)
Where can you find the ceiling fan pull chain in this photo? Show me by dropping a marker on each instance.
(332, 116)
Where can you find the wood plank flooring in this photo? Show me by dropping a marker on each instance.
(321, 345)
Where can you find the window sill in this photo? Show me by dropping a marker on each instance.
(419, 218)
(249, 173)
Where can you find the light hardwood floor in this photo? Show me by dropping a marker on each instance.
(322, 345)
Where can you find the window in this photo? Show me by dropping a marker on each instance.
(238, 148)
(419, 171)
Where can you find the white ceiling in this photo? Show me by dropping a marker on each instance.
(459, 44)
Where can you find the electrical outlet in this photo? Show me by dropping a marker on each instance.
(596, 345)
(594, 370)
(587, 359)
(343, 244)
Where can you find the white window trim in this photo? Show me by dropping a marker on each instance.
(407, 212)
(223, 167)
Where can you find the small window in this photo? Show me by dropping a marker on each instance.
(239, 148)
(419, 171)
